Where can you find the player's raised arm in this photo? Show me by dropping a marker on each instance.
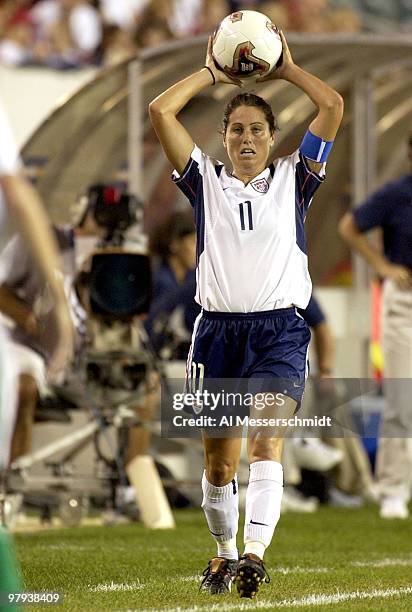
(163, 110)
(328, 101)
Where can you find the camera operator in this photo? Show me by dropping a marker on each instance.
(173, 310)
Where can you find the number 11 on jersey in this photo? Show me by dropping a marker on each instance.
(248, 206)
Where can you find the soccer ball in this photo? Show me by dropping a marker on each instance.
(246, 44)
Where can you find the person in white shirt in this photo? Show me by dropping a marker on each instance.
(251, 275)
(72, 29)
(122, 13)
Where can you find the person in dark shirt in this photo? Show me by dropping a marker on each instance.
(390, 209)
(173, 310)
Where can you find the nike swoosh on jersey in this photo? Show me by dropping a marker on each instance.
(256, 523)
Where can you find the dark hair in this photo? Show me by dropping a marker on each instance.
(176, 227)
(250, 99)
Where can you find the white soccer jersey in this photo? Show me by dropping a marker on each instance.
(251, 247)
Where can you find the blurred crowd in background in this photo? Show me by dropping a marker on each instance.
(65, 34)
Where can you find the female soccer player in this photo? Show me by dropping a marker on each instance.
(251, 275)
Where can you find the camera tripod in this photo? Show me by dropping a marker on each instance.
(108, 384)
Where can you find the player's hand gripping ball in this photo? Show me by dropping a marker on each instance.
(247, 44)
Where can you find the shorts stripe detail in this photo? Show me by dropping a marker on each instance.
(190, 354)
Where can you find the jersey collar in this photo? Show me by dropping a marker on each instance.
(260, 183)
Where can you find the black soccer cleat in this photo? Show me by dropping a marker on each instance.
(250, 574)
(218, 576)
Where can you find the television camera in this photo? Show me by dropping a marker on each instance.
(112, 369)
(114, 290)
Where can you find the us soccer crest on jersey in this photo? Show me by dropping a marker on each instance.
(260, 185)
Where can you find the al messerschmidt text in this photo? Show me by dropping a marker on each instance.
(240, 421)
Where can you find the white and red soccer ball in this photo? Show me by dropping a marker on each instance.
(246, 43)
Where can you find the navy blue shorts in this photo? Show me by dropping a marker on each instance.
(268, 348)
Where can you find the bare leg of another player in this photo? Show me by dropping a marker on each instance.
(139, 437)
(23, 430)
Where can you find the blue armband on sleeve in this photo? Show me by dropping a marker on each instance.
(315, 148)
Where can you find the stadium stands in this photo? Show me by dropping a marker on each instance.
(67, 34)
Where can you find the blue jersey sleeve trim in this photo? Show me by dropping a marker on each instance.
(320, 176)
(176, 177)
(315, 148)
(190, 180)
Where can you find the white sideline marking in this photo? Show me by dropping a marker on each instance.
(65, 547)
(113, 586)
(309, 600)
(382, 563)
(299, 570)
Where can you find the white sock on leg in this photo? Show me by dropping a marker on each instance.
(228, 549)
(221, 508)
(263, 497)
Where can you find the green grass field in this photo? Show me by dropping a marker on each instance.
(333, 560)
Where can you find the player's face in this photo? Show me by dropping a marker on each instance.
(248, 141)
